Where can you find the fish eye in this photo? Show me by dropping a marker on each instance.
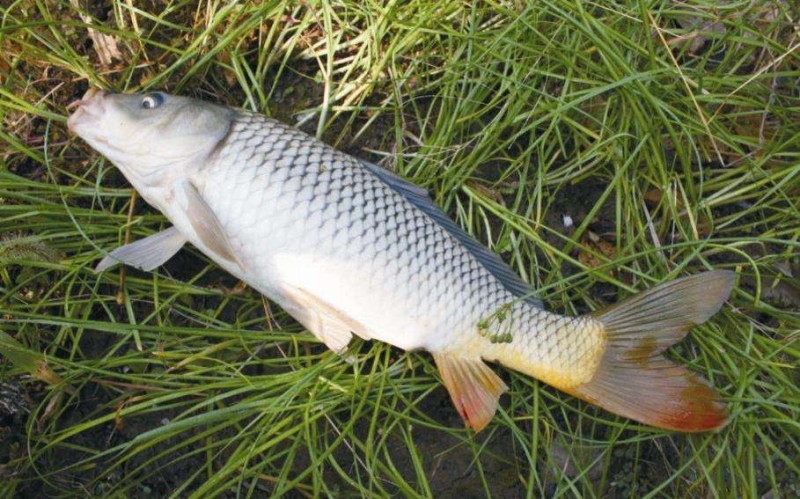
(152, 101)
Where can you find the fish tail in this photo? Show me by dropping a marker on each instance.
(635, 380)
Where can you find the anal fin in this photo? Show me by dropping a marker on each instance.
(145, 254)
(473, 387)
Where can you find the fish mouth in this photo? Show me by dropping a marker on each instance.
(90, 109)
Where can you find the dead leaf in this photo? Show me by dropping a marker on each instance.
(596, 249)
(710, 22)
(52, 405)
(781, 289)
(105, 46)
(485, 191)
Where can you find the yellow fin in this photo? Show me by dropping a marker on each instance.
(473, 387)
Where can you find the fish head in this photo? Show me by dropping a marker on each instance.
(151, 137)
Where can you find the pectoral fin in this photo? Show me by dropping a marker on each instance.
(330, 325)
(204, 222)
(473, 386)
(145, 254)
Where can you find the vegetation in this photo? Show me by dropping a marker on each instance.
(599, 147)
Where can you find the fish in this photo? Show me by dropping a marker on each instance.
(349, 248)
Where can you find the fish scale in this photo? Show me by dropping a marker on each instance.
(347, 247)
(316, 198)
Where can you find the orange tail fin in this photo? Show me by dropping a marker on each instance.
(635, 380)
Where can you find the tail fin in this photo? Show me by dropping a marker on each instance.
(635, 380)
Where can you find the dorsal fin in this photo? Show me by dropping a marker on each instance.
(419, 197)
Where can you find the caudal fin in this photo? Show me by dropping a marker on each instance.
(635, 380)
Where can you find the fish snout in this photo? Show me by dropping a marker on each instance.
(88, 108)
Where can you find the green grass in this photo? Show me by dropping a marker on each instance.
(668, 131)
